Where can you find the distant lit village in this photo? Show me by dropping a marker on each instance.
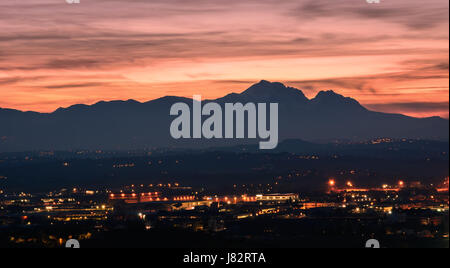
(405, 210)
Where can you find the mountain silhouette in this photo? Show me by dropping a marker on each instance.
(266, 91)
(125, 125)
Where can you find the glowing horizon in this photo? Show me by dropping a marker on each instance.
(391, 57)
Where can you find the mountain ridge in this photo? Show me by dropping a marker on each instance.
(130, 124)
(323, 95)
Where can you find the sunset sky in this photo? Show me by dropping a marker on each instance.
(392, 57)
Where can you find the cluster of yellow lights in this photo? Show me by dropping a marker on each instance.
(150, 197)
(229, 200)
(122, 195)
(184, 198)
(332, 183)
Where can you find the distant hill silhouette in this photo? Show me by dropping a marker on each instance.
(123, 125)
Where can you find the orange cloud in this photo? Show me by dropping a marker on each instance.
(387, 56)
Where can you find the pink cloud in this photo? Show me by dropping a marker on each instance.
(53, 54)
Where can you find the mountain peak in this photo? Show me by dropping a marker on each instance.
(331, 98)
(264, 82)
(265, 85)
(274, 91)
(328, 94)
